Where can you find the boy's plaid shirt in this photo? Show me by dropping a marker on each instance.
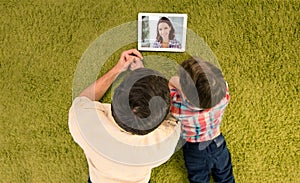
(198, 125)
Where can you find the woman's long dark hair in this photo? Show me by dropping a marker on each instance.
(172, 31)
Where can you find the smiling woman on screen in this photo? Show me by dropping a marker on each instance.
(165, 37)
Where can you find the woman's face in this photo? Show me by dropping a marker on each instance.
(164, 30)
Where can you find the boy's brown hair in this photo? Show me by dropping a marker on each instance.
(208, 80)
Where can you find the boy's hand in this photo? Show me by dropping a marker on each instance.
(174, 82)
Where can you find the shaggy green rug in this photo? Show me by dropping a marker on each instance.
(256, 43)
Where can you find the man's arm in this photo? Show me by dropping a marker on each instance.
(96, 90)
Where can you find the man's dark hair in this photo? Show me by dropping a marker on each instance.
(141, 102)
(206, 78)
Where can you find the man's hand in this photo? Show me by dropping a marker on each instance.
(96, 90)
(130, 58)
(137, 63)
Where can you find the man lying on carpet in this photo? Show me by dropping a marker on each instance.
(124, 140)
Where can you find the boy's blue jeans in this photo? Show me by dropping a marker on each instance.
(214, 159)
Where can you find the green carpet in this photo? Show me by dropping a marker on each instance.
(255, 41)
